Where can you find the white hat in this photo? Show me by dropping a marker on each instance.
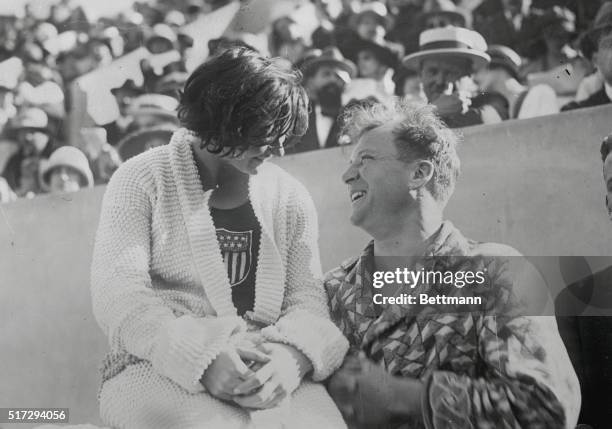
(450, 41)
(66, 156)
(153, 104)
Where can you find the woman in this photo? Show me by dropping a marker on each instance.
(206, 275)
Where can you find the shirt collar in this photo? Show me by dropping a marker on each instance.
(608, 89)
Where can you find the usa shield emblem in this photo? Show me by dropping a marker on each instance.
(236, 252)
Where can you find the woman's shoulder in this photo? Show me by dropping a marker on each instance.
(142, 170)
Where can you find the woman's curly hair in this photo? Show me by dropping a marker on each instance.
(238, 99)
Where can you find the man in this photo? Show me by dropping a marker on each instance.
(446, 59)
(31, 132)
(603, 61)
(435, 365)
(583, 312)
(326, 74)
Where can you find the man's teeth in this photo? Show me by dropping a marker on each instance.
(356, 195)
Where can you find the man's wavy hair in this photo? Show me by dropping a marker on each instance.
(238, 99)
(419, 134)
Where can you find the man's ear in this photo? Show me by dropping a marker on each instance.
(421, 174)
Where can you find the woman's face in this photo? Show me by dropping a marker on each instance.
(249, 161)
(64, 179)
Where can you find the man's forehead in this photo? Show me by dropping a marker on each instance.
(448, 62)
(378, 139)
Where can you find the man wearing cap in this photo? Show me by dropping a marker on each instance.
(150, 110)
(502, 77)
(446, 60)
(31, 133)
(326, 74)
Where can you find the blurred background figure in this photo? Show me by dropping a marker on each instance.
(376, 62)
(6, 193)
(550, 34)
(501, 22)
(501, 76)
(326, 76)
(443, 13)
(143, 140)
(151, 110)
(66, 170)
(30, 131)
(603, 62)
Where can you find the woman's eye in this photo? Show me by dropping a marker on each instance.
(366, 157)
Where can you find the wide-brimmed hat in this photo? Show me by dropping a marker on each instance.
(386, 53)
(154, 104)
(505, 57)
(376, 9)
(331, 56)
(136, 142)
(31, 118)
(443, 8)
(66, 156)
(450, 42)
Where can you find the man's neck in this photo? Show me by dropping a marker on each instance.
(409, 242)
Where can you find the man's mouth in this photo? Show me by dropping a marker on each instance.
(357, 195)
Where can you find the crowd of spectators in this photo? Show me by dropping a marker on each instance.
(477, 61)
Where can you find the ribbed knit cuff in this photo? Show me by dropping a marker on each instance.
(186, 346)
(318, 338)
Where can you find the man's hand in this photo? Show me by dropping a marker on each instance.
(275, 380)
(229, 369)
(367, 395)
(453, 104)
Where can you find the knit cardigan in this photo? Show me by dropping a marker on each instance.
(160, 290)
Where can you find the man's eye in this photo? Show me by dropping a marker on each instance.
(365, 157)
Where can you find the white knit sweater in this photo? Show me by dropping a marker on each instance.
(159, 286)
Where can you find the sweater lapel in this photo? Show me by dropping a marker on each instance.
(269, 279)
(198, 221)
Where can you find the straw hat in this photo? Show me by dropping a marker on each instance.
(450, 42)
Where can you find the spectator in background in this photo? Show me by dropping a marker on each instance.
(124, 95)
(31, 133)
(602, 26)
(408, 84)
(143, 140)
(376, 62)
(446, 61)
(552, 60)
(501, 22)
(604, 65)
(502, 77)
(151, 110)
(442, 13)
(326, 75)
(66, 170)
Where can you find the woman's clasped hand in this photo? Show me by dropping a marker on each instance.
(255, 377)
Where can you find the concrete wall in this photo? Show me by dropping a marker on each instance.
(533, 184)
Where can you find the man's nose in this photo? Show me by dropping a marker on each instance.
(350, 174)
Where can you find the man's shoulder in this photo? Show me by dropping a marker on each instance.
(339, 274)
(597, 99)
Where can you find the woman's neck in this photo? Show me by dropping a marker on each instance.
(229, 184)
